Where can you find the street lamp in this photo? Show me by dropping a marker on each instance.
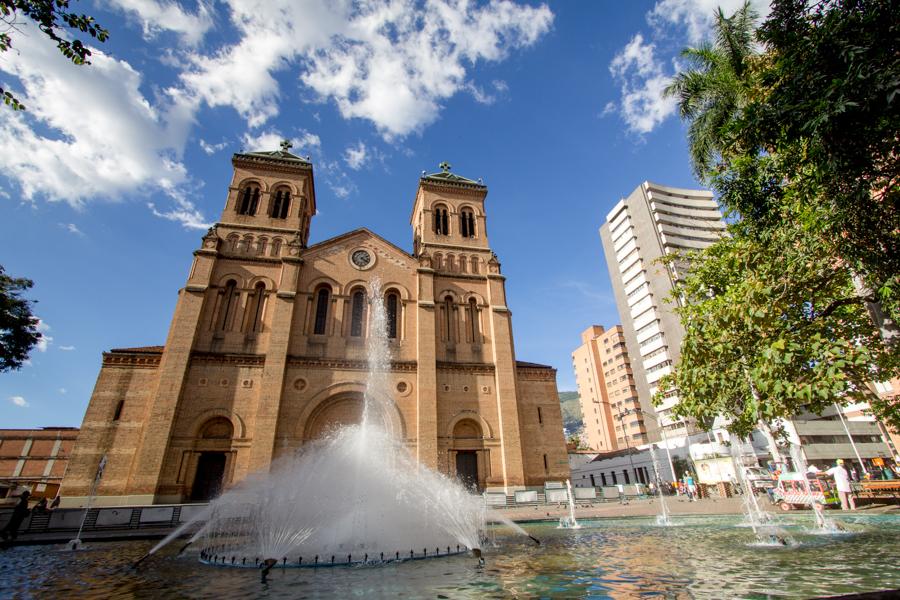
(621, 415)
(662, 430)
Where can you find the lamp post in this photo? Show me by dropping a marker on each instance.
(621, 416)
(662, 430)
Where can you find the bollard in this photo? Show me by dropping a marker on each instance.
(216, 558)
(348, 559)
(317, 559)
(244, 561)
(256, 561)
(232, 559)
(410, 553)
(448, 549)
(424, 551)
(366, 558)
(382, 556)
(437, 551)
(284, 562)
(332, 559)
(300, 562)
(398, 555)
(457, 547)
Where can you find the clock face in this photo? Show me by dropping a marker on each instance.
(361, 258)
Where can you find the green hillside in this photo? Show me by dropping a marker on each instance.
(571, 411)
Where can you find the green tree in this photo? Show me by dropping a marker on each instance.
(18, 327)
(775, 322)
(57, 22)
(713, 92)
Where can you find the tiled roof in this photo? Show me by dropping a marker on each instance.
(531, 365)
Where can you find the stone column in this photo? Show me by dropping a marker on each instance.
(503, 356)
(271, 388)
(426, 369)
(176, 358)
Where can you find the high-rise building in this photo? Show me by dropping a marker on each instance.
(609, 400)
(655, 221)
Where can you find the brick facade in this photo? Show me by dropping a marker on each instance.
(266, 350)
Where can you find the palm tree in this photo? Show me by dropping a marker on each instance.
(713, 92)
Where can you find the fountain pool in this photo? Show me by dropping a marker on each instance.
(706, 557)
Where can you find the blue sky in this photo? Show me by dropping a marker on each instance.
(110, 178)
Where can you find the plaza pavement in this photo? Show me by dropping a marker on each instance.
(649, 507)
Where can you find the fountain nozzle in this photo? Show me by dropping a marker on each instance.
(266, 566)
(535, 540)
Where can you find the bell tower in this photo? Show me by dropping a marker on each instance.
(449, 213)
(271, 191)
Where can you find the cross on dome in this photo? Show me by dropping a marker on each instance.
(445, 166)
(286, 145)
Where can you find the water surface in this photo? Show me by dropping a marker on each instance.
(702, 557)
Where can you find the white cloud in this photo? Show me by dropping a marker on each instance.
(391, 62)
(183, 212)
(89, 132)
(639, 67)
(67, 348)
(45, 340)
(212, 148)
(63, 391)
(695, 18)
(19, 401)
(642, 79)
(156, 16)
(356, 156)
(72, 228)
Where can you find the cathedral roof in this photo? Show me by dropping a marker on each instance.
(140, 350)
(282, 157)
(356, 232)
(445, 177)
(521, 364)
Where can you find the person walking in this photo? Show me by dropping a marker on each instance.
(20, 511)
(842, 482)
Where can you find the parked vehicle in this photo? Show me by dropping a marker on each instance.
(796, 490)
(760, 479)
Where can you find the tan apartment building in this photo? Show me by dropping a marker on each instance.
(35, 459)
(266, 351)
(609, 402)
(655, 221)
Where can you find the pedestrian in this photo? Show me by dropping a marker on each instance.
(20, 511)
(55, 503)
(691, 488)
(842, 482)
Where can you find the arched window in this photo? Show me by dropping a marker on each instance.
(438, 261)
(391, 307)
(233, 242)
(467, 223)
(248, 200)
(473, 321)
(246, 244)
(441, 220)
(261, 245)
(357, 313)
(227, 306)
(323, 297)
(256, 308)
(276, 247)
(451, 262)
(474, 264)
(281, 204)
(448, 318)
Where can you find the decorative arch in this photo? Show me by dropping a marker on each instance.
(224, 279)
(253, 181)
(471, 207)
(441, 218)
(402, 290)
(463, 415)
(269, 283)
(237, 423)
(448, 292)
(313, 285)
(339, 392)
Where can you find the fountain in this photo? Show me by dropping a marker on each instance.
(569, 522)
(357, 496)
(821, 523)
(76, 543)
(766, 532)
(662, 519)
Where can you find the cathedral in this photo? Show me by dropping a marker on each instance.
(266, 351)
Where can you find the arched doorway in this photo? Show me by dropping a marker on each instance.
(213, 447)
(467, 454)
(333, 414)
